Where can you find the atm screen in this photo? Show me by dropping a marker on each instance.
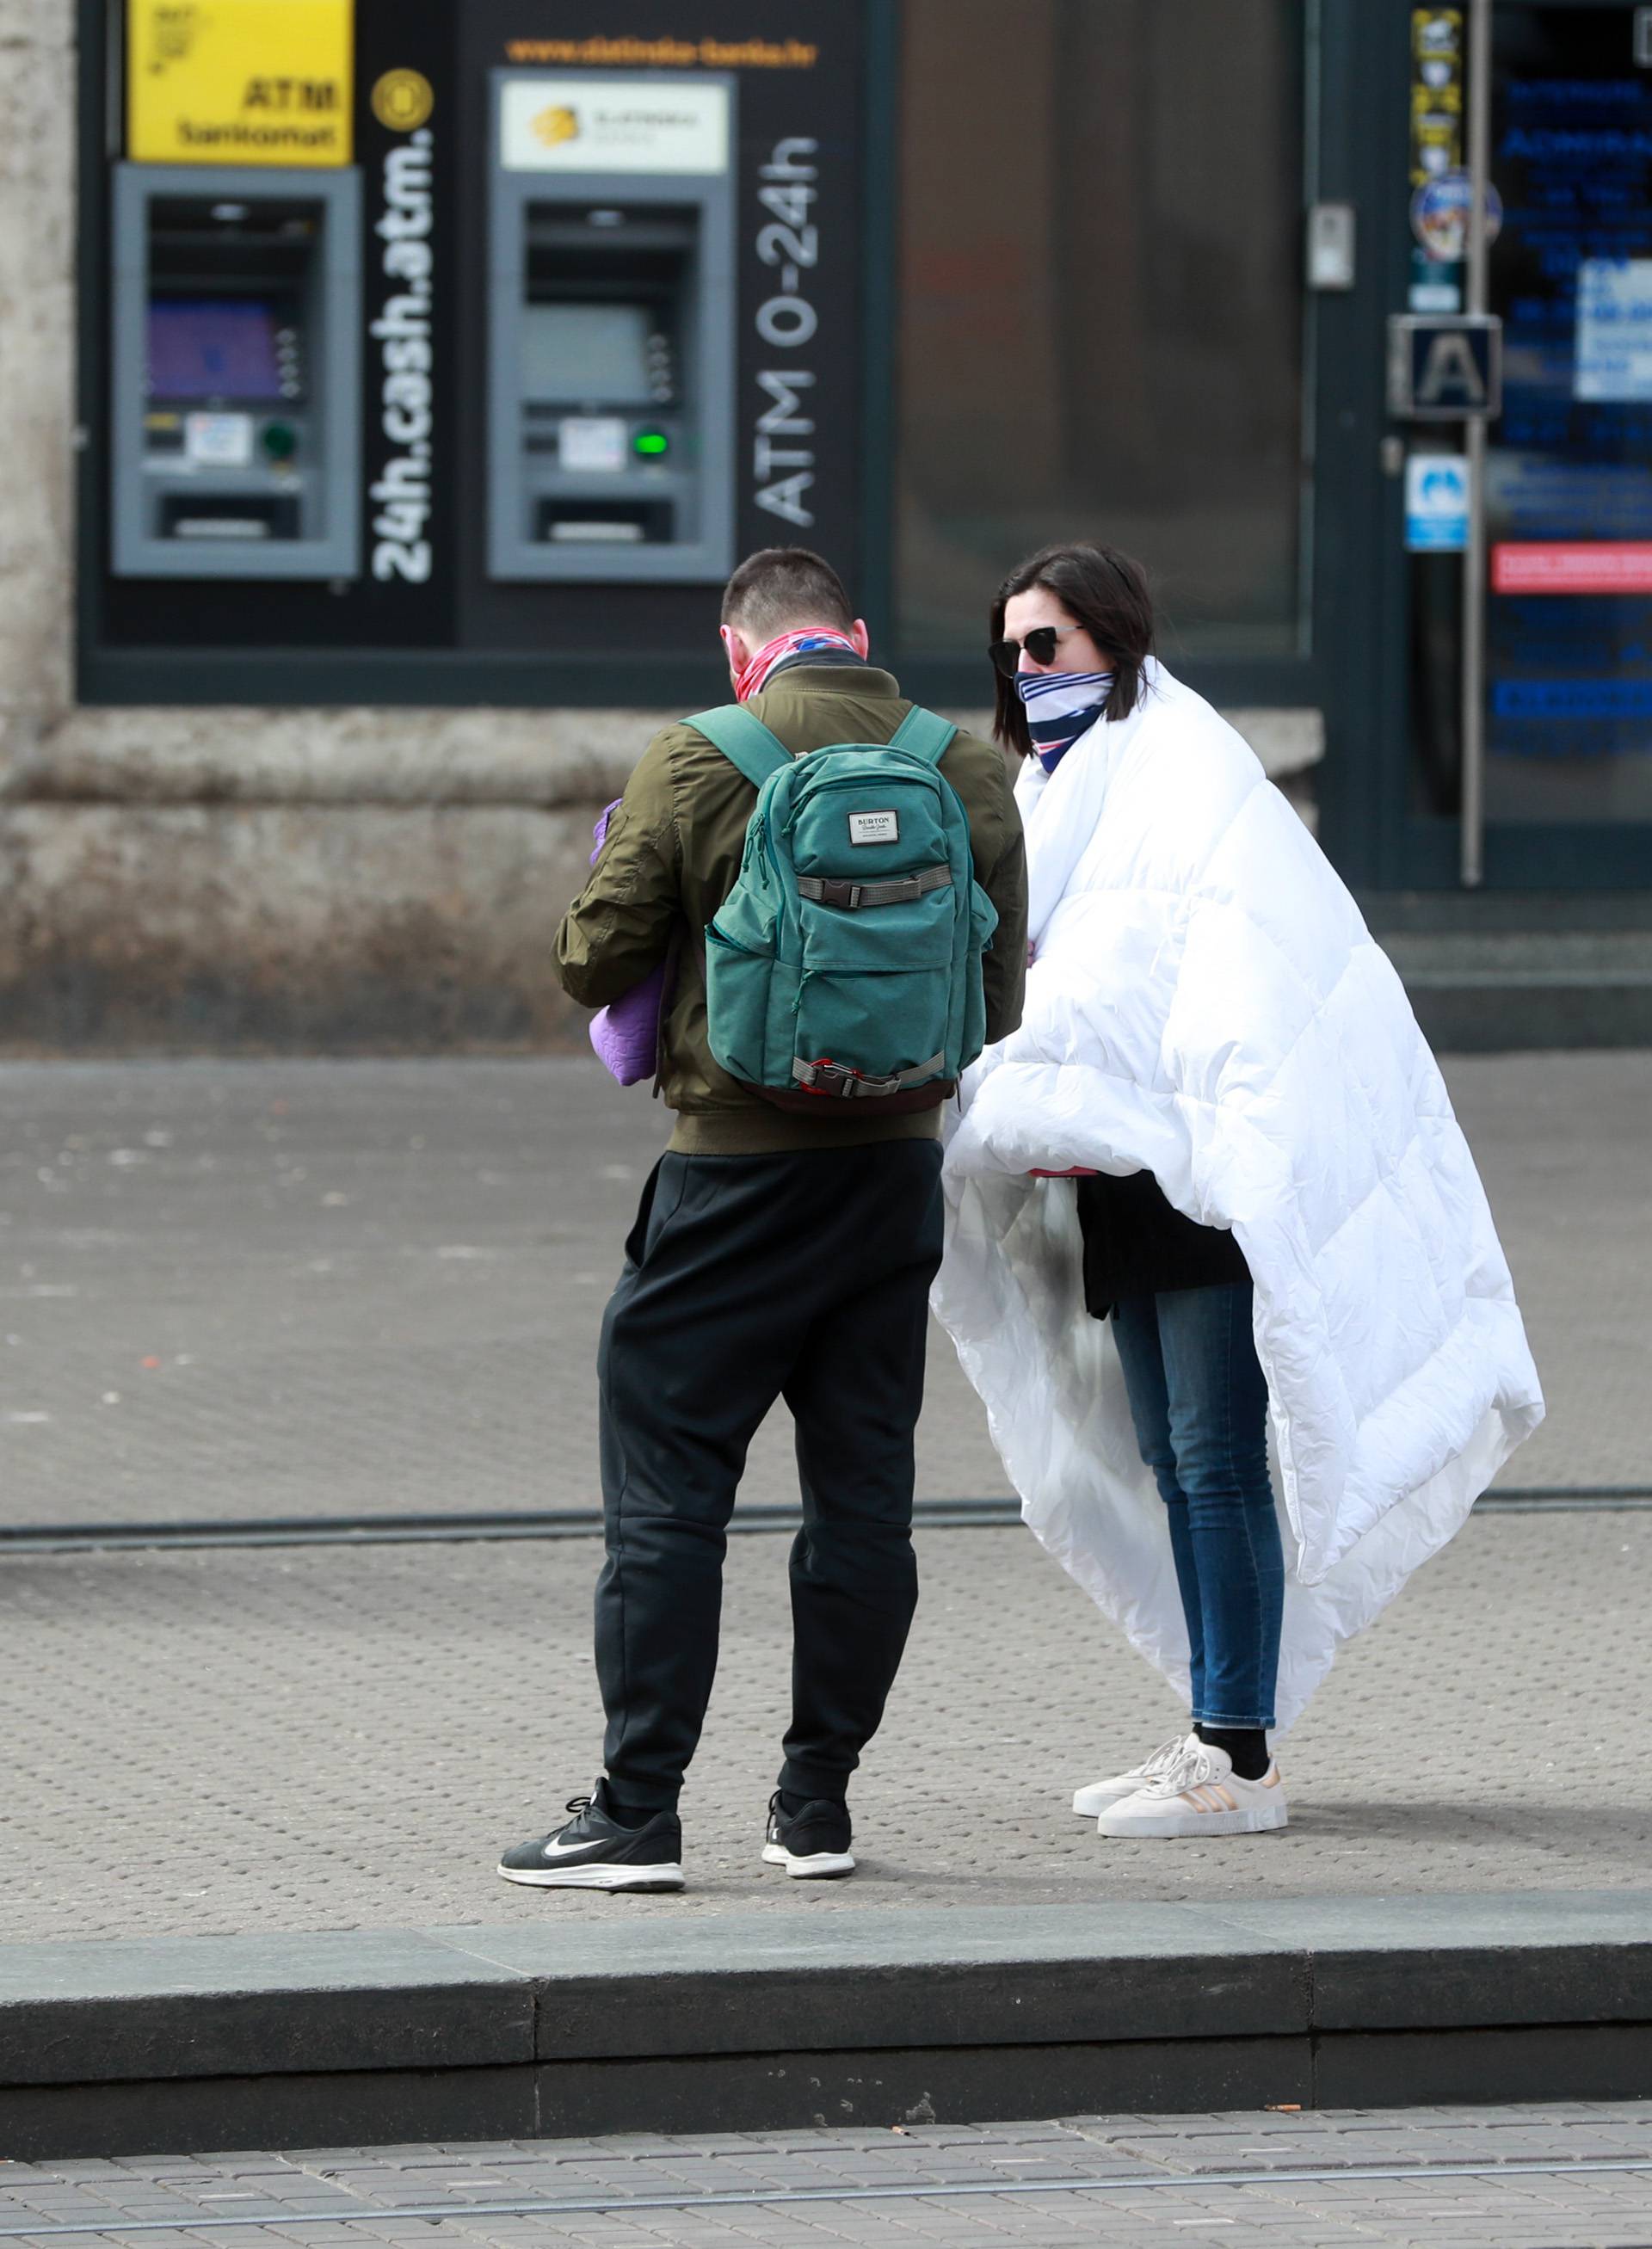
(575, 353)
(213, 348)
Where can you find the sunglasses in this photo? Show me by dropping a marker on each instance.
(1039, 644)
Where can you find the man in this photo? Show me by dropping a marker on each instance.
(775, 1254)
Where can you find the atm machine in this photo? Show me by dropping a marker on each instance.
(611, 329)
(237, 370)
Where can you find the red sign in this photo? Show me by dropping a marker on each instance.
(1611, 566)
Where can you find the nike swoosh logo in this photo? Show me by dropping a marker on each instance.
(564, 1850)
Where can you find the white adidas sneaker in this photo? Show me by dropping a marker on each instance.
(1199, 1794)
(1100, 1794)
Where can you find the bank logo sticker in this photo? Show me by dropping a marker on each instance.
(403, 100)
(1440, 215)
(173, 31)
(558, 123)
(1437, 504)
(613, 125)
(874, 826)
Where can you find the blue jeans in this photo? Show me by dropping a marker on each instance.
(1200, 1403)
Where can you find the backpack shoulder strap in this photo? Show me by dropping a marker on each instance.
(744, 741)
(924, 734)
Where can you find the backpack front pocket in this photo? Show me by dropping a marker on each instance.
(915, 933)
(737, 1005)
(879, 1023)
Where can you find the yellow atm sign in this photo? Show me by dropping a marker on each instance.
(239, 81)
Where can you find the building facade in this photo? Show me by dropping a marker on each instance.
(392, 382)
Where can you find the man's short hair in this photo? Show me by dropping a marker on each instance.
(780, 588)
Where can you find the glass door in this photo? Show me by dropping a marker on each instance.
(1568, 485)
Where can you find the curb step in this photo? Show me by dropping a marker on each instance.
(753, 2022)
(1500, 991)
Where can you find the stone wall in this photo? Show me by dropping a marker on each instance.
(321, 879)
(36, 362)
(239, 877)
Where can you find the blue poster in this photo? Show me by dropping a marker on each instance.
(1571, 460)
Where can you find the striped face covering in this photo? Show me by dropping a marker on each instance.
(789, 643)
(1060, 706)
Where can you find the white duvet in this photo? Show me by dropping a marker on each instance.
(1206, 1003)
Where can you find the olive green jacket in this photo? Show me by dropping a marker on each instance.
(671, 855)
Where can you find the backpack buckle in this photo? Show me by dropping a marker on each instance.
(830, 1079)
(892, 891)
(828, 890)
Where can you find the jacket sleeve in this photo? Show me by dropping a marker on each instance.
(620, 926)
(1004, 968)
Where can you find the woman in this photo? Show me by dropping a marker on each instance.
(1274, 1203)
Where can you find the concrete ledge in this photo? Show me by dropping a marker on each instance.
(284, 928)
(215, 755)
(661, 2021)
(770, 1982)
(179, 2007)
(551, 759)
(1496, 991)
(1533, 1017)
(221, 880)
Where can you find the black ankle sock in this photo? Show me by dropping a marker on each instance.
(1246, 1745)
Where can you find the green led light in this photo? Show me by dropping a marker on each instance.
(652, 442)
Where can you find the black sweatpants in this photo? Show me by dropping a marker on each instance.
(749, 1278)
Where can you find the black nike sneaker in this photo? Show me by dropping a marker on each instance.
(594, 1852)
(812, 1844)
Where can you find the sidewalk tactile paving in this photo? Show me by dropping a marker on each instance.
(327, 1738)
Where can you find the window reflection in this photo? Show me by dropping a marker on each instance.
(1100, 306)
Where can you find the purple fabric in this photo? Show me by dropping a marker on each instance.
(599, 833)
(626, 1033)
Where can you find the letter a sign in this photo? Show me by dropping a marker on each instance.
(1448, 368)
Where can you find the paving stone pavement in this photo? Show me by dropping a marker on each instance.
(287, 1288)
(332, 1739)
(271, 1289)
(1172, 2179)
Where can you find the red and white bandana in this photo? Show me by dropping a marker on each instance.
(801, 643)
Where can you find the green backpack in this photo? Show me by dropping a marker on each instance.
(845, 963)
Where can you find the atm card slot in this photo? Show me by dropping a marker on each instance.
(236, 515)
(604, 523)
(595, 533)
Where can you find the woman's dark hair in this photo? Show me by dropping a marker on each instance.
(1102, 590)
